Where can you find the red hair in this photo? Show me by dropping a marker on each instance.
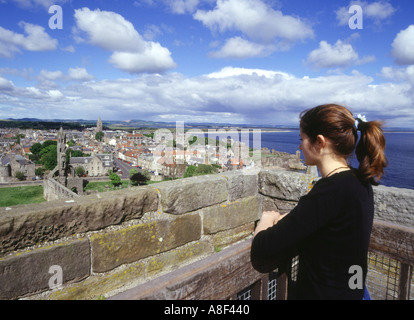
(337, 123)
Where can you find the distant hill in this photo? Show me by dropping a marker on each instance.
(135, 123)
(80, 124)
(39, 124)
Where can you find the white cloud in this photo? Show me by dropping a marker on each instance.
(138, 3)
(236, 95)
(79, 74)
(70, 49)
(55, 94)
(151, 32)
(73, 74)
(403, 46)
(51, 75)
(131, 53)
(182, 6)
(8, 43)
(37, 39)
(341, 54)
(377, 11)
(5, 85)
(227, 72)
(240, 48)
(175, 6)
(108, 30)
(33, 3)
(399, 74)
(255, 19)
(153, 59)
(34, 39)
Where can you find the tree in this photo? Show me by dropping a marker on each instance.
(35, 150)
(80, 171)
(99, 135)
(49, 157)
(190, 171)
(48, 143)
(39, 172)
(19, 137)
(115, 179)
(138, 179)
(75, 153)
(132, 172)
(146, 174)
(201, 169)
(20, 175)
(71, 143)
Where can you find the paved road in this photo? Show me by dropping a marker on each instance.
(124, 167)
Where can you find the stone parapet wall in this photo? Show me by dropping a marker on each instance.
(99, 245)
(53, 190)
(394, 205)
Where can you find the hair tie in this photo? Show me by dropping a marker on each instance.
(360, 118)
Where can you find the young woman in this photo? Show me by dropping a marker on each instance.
(330, 227)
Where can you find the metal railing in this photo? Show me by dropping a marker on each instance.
(229, 274)
(390, 267)
(391, 261)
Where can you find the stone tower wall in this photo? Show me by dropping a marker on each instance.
(103, 244)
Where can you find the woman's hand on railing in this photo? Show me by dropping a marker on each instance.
(268, 219)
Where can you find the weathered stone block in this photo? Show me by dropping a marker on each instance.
(97, 286)
(190, 194)
(217, 277)
(29, 225)
(28, 272)
(240, 185)
(129, 244)
(229, 237)
(395, 205)
(178, 257)
(286, 185)
(227, 216)
(274, 204)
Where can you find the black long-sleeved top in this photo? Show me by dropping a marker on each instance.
(330, 229)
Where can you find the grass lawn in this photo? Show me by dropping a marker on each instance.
(21, 195)
(13, 196)
(100, 185)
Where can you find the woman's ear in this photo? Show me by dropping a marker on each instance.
(320, 141)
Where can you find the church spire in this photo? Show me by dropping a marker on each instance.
(61, 152)
(99, 125)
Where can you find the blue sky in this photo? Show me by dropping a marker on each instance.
(234, 61)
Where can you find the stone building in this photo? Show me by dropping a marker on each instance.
(10, 164)
(96, 165)
(58, 185)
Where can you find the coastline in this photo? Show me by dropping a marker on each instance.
(398, 131)
(252, 130)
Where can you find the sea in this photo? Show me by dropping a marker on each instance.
(399, 151)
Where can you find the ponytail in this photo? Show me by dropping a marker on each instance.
(370, 151)
(338, 124)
